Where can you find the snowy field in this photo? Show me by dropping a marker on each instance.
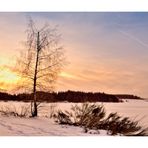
(44, 126)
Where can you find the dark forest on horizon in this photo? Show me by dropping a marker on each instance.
(67, 96)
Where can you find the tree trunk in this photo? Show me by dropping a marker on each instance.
(34, 110)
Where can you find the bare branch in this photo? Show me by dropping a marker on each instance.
(42, 60)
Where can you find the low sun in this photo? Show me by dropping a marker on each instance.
(8, 79)
(8, 76)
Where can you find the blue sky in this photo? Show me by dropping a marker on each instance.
(107, 52)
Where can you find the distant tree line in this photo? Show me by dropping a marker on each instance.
(67, 96)
(127, 96)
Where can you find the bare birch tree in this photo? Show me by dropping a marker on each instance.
(41, 62)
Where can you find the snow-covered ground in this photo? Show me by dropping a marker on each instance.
(36, 127)
(45, 126)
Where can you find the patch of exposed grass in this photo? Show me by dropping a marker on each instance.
(22, 111)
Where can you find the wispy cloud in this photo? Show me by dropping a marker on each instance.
(134, 38)
(100, 59)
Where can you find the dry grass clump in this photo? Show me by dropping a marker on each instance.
(115, 124)
(21, 111)
(93, 117)
(52, 110)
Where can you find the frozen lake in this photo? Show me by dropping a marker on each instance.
(135, 109)
(42, 125)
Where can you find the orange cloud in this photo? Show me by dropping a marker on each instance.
(8, 79)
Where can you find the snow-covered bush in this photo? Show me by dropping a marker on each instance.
(93, 117)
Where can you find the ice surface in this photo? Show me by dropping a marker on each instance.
(44, 126)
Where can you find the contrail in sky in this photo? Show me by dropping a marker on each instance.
(133, 38)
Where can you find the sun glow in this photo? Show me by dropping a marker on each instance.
(67, 75)
(8, 79)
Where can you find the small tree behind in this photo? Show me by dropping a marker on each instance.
(40, 64)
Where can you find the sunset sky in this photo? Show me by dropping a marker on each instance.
(106, 52)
